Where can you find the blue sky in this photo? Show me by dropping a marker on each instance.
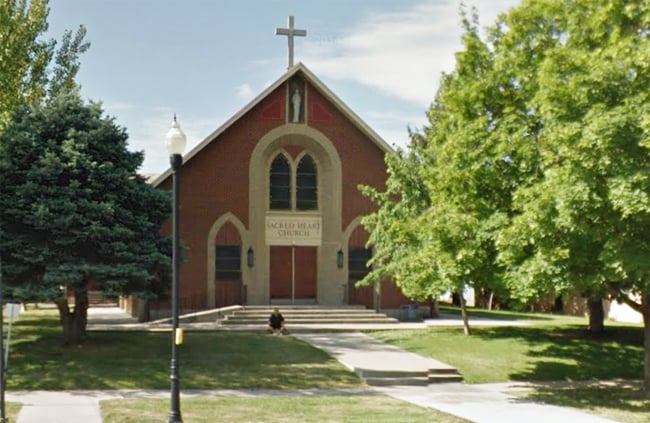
(206, 59)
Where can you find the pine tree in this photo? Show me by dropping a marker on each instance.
(74, 212)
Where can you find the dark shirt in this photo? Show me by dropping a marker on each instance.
(276, 320)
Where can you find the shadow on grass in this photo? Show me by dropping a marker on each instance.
(625, 400)
(499, 314)
(129, 360)
(572, 353)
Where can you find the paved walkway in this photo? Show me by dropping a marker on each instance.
(476, 403)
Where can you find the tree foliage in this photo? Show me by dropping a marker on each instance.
(73, 210)
(32, 68)
(536, 157)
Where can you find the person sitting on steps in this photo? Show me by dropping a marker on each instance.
(276, 323)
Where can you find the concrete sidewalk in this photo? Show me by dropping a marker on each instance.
(83, 406)
(487, 404)
(58, 407)
(477, 403)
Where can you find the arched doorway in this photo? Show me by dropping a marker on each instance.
(228, 266)
(358, 256)
(295, 218)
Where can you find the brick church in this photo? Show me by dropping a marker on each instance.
(270, 206)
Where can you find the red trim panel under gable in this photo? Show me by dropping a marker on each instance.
(274, 111)
(318, 112)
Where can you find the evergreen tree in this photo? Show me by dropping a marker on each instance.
(74, 212)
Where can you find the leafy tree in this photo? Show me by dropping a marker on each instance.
(74, 212)
(464, 176)
(584, 224)
(32, 68)
(536, 158)
(392, 233)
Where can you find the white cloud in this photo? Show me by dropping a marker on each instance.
(118, 106)
(149, 132)
(245, 91)
(402, 54)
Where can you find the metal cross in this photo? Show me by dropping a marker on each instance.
(290, 32)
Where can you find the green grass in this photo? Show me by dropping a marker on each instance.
(547, 348)
(355, 408)
(536, 318)
(529, 353)
(11, 410)
(622, 401)
(129, 360)
(554, 350)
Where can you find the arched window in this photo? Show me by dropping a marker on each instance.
(280, 184)
(306, 185)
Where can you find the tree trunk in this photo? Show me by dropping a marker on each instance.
(73, 322)
(596, 315)
(491, 300)
(463, 313)
(645, 310)
(433, 308)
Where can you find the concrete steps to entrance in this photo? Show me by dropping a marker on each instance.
(408, 377)
(306, 315)
(381, 364)
(414, 377)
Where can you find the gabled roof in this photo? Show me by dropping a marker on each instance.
(311, 79)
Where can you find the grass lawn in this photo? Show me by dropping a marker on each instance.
(355, 408)
(622, 401)
(209, 360)
(557, 350)
(548, 349)
(11, 410)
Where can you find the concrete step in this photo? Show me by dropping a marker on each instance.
(414, 378)
(378, 363)
(289, 307)
(306, 321)
(445, 378)
(311, 317)
(298, 313)
(390, 381)
(305, 315)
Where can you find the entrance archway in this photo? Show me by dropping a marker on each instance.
(227, 266)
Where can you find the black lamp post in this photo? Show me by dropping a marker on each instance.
(175, 142)
(3, 370)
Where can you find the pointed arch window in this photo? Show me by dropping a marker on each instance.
(306, 184)
(280, 184)
(291, 186)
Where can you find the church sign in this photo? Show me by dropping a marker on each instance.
(293, 230)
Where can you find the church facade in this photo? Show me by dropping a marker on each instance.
(270, 207)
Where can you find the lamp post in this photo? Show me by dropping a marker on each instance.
(175, 143)
(3, 370)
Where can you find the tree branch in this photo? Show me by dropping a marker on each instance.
(619, 295)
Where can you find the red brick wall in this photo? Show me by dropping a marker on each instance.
(362, 160)
(215, 180)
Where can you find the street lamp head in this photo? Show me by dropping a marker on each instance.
(175, 140)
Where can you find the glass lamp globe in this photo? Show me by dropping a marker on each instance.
(175, 140)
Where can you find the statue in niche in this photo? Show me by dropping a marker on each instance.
(296, 100)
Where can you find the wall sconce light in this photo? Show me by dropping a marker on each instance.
(339, 259)
(250, 257)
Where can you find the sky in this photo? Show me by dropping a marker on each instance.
(207, 59)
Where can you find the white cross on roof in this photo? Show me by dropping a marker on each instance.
(290, 32)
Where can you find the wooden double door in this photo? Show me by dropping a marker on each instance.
(293, 273)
